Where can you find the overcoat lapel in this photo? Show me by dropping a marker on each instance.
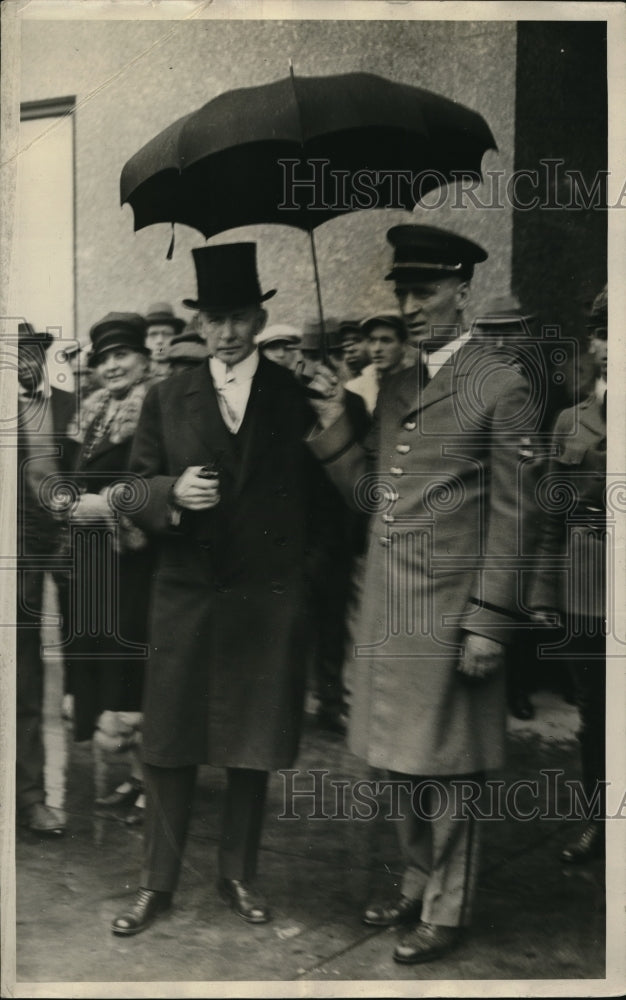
(591, 417)
(260, 426)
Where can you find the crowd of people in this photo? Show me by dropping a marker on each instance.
(238, 512)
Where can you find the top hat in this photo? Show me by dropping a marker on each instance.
(27, 334)
(117, 329)
(425, 252)
(278, 332)
(227, 277)
(391, 319)
(161, 313)
(502, 311)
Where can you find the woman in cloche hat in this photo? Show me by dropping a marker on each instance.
(113, 562)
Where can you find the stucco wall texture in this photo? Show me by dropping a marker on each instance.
(132, 79)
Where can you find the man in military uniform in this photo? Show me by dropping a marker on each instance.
(439, 472)
(577, 591)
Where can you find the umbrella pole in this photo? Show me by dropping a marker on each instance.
(318, 291)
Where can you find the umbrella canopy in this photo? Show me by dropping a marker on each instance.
(220, 166)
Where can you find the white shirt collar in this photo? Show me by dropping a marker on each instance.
(600, 389)
(438, 358)
(244, 371)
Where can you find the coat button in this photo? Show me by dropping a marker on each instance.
(388, 518)
(281, 541)
(277, 588)
(395, 470)
(403, 448)
(221, 588)
(410, 425)
(391, 496)
(386, 539)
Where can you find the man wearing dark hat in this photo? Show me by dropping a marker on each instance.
(579, 537)
(43, 415)
(221, 449)
(354, 345)
(161, 327)
(386, 337)
(440, 588)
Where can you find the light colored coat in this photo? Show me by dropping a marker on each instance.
(443, 475)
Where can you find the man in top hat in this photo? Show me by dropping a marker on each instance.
(43, 416)
(440, 474)
(576, 589)
(161, 327)
(221, 450)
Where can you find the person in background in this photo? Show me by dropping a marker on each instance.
(506, 329)
(43, 416)
(187, 349)
(161, 327)
(577, 591)
(354, 344)
(280, 344)
(386, 338)
(105, 655)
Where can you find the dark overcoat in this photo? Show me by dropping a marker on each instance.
(441, 474)
(573, 539)
(229, 618)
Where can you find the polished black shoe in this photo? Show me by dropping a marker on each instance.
(393, 913)
(146, 906)
(42, 820)
(245, 901)
(425, 943)
(589, 845)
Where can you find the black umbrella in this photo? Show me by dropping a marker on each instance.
(230, 163)
(350, 141)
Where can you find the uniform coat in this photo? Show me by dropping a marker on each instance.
(441, 475)
(572, 497)
(229, 618)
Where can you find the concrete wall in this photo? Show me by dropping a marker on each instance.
(131, 79)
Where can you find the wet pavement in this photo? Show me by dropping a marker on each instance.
(534, 918)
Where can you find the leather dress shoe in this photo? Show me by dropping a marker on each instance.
(390, 914)
(121, 798)
(42, 820)
(246, 903)
(425, 943)
(147, 905)
(589, 845)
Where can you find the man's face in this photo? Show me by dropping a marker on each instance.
(432, 310)
(598, 348)
(158, 338)
(31, 364)
(355, 353)
(230, 333)
(385, 348)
